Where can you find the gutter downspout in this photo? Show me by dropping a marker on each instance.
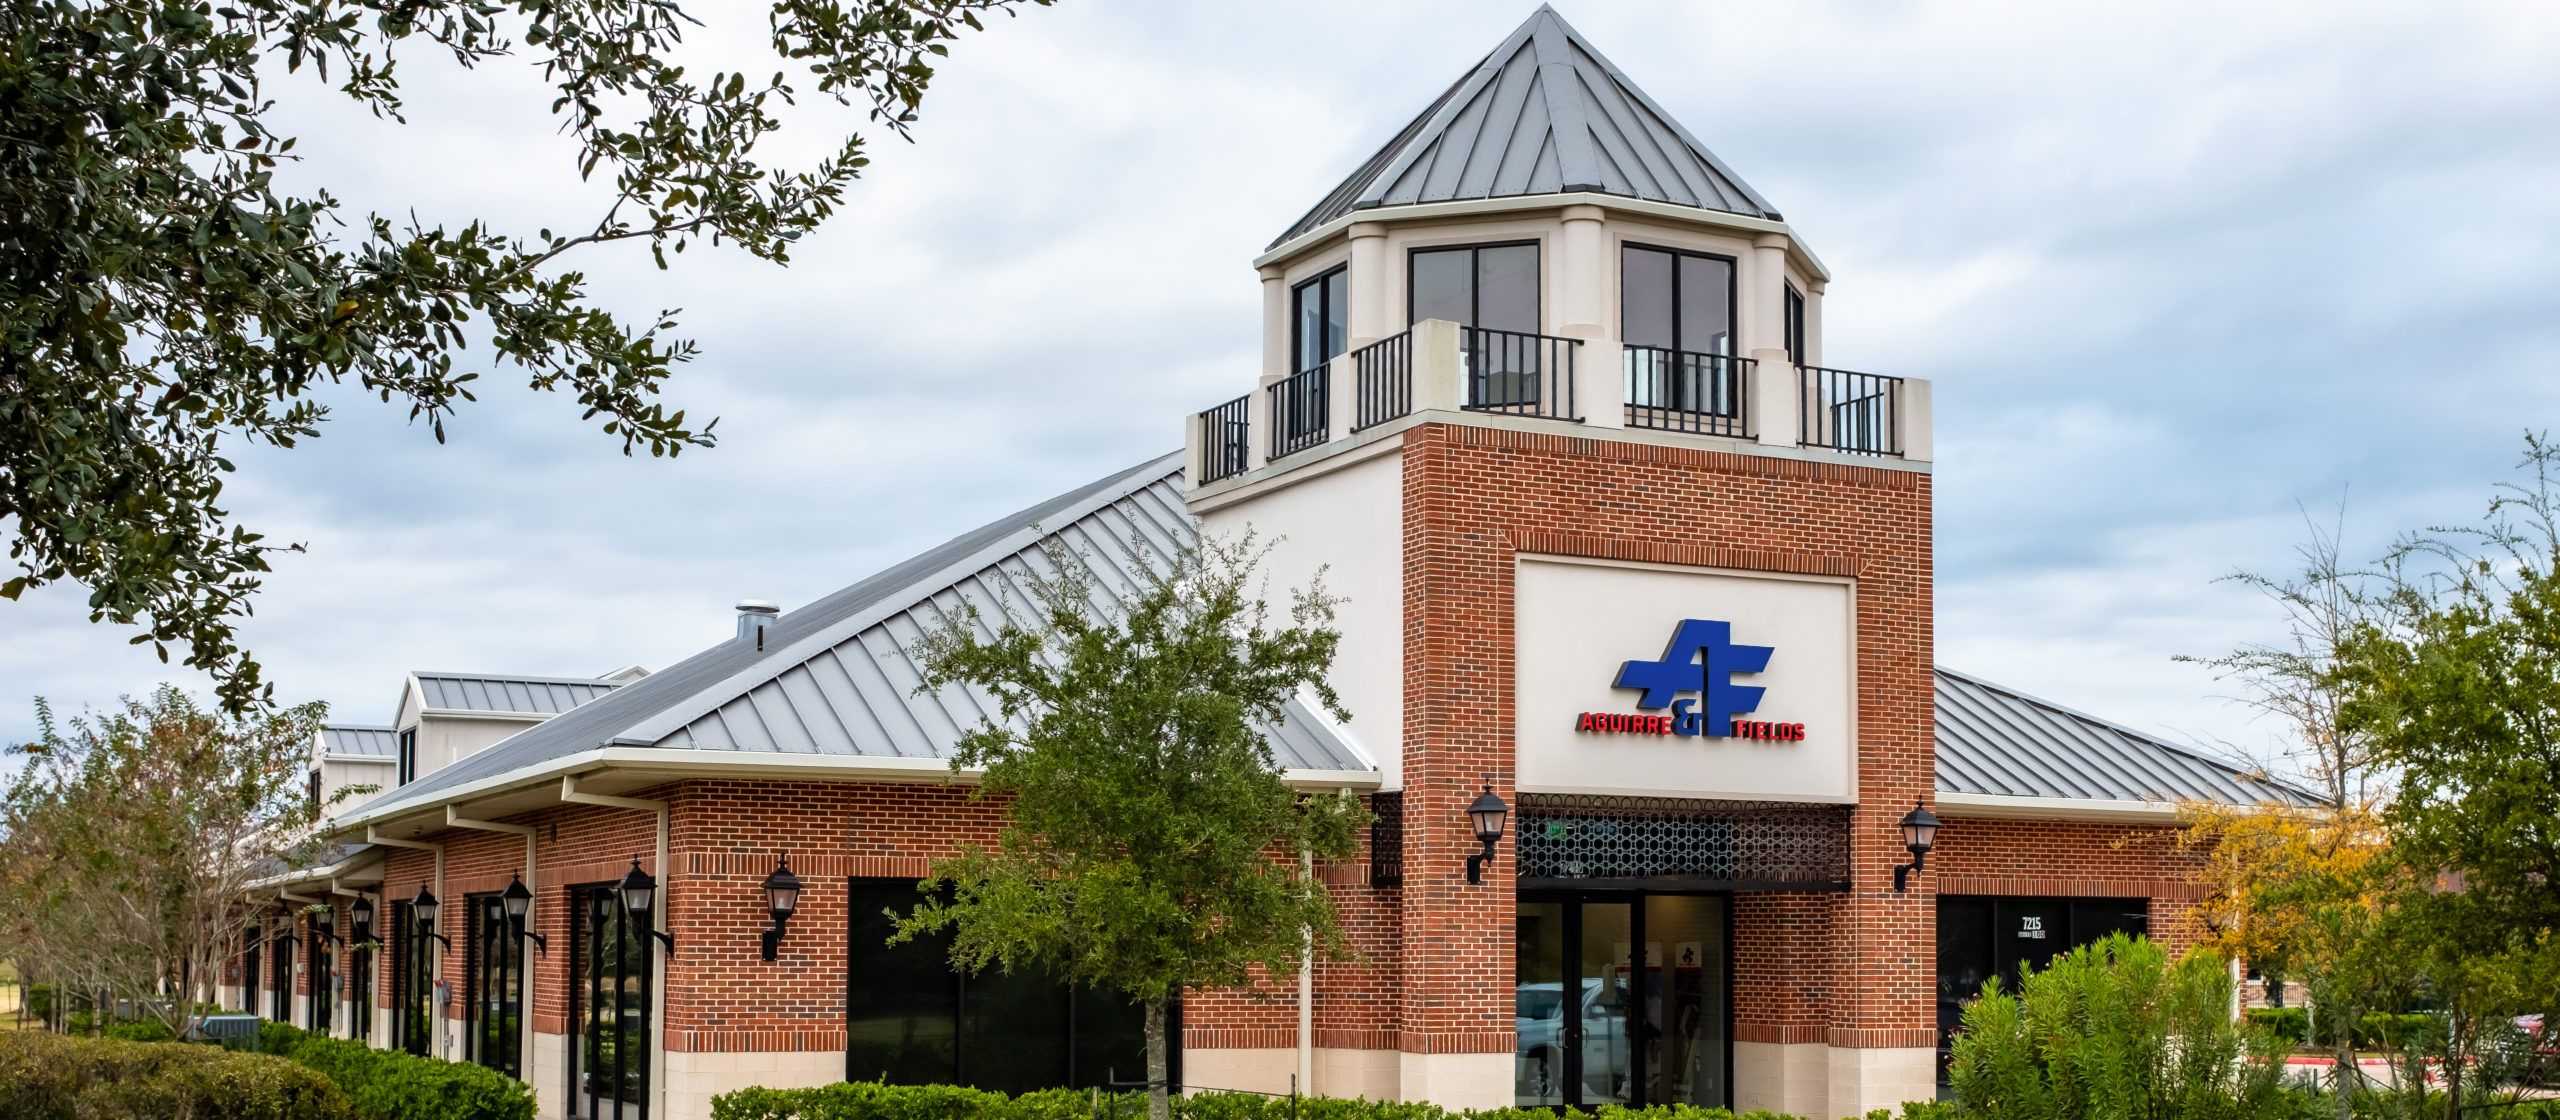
(373, 835)
(369, 1033)
(570, 793)
(453, 816)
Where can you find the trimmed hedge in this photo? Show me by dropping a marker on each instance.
(46, 1076)
(2378, 1031)
(391, 1085)
(2292, 1024)
(872, 1100)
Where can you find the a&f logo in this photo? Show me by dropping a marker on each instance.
(1702, 658)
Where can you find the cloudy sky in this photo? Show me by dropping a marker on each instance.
(2178, 269)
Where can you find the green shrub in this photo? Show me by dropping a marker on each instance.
(147, 1030)
(2114, 1029)
(871, 1100)
(391, 1085)
(56, 1077)
(2292, 1024)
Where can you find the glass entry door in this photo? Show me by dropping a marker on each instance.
(1622, 998)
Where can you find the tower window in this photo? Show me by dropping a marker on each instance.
(1795, 326)
(1321, 310)
(1490, 286)
(1676, 301)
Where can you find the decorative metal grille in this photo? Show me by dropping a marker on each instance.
(1569, 836)
(1386, 840)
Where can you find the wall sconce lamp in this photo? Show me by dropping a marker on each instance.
(426, 908)
(781, 897)
(640, 897)
(518, 901)
(1488, 813)
(1919, 834)
(360, 919)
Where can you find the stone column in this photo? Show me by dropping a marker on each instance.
(1371, 318)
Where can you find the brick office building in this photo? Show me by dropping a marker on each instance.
(1543, 393)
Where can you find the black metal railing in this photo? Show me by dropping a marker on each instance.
(1682, 391)
(1847, 411)
(1226, 440)
(1384, 372)
(1517, 373)
(1301, 410)
(1386, 839)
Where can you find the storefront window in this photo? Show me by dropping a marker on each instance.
(1979, 938)
(493, 987)
(280, 998)
(412, 983)
(1621, 998)
(911, 1019)
(609, 1020)
(323, 990)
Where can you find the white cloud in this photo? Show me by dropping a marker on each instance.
(2176, 267)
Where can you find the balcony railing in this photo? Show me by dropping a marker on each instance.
(1226, 440)
(1301, 410)
(1681, 391)
(1516, 373)
(1859, 413)
(1384, 371)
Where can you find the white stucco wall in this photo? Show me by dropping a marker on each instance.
(1350, 522)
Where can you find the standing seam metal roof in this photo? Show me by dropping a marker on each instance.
(1997, 740)
(1543, 114)
(355, 740)
(836, 677)
(481, 692)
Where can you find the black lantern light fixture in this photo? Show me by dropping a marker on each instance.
(1488, 815)
(1919, 834)
(640, 898)
(360, 918)
(426, 908)
(518, 901)
(324, 929)
(781, 897)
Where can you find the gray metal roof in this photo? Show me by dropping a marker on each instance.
(482, 692)
(1543, 114)
(835, 677)
(1996, 740)
(354, 740)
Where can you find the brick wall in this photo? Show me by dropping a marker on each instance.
(1477, 497)
(2070, 860)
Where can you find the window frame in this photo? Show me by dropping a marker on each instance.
(408, 751)
(1322, 284)
(1475, 291)
(1794, 328)
(1732, 295)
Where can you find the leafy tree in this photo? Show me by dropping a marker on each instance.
(2293, 890)
(1151, 844)
(162, 300)
(127, 841)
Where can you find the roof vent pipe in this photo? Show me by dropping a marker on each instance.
(754, 617)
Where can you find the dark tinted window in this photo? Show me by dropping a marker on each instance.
(1675, 301)
(903, 1002)
(1490, 286)
(1321, 310)
(912, 1020)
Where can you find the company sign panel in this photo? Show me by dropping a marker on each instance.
(1751, 697)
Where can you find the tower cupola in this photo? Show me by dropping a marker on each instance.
(1546, 244)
